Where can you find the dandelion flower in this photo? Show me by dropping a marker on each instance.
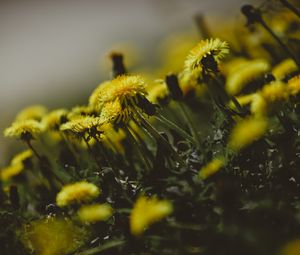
(246, 73)
(124, 88)
(34, 112)
(77, 192)
(97, 93)
(55, 118)
(79, 126)
(294, 85)
(21, 157)
(79, 111)
(246, 132)
(158, 93)
(54, 236)
(215, 48)
(95, 212)
(113, 112)
(147, 211)
(25, 129)
(284, 68)
(10, 171)
(211, 168)
(275, 91)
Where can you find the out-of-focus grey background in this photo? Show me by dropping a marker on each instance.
(51, 52)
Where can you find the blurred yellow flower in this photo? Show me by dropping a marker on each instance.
(55, 118)
(294, 85)
(25, 129)
(245, 73)
(284, 68)
(211, 168)
(247, 131)
(21, 157)
(291, 248)
(146, 211)
(77, 192)
(275, 91)
(53, 236)
(95, 212)
(112, 112)
(34, 112)
(10, 171)
(258, 105)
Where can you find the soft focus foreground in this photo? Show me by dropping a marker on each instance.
(196, 155)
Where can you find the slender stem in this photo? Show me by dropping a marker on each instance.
(158, 136)
(34, 150)
(291, 7)
(278, 40)
(190, 123)
(173, 126)
(139, 150)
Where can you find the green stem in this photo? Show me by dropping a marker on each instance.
(190, 123)
(159, 137)
(91, 152)
(174, 127)
(139, 150)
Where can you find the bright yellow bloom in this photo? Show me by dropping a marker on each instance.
(112, 112)
(291, 248)
(275, 91)
(11, 171)
(124, 88)
(34, 112)
(247, 131)
(147, 211)
(294, 85)
(210, 47)
(284, 68)
(211, 168)
(53, 236)
(77, 192)
(80, 125)
(21, 157)
(25, 129)
(94, 213)
(55, 118)
(246, 73)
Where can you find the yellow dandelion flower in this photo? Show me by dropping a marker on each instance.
(211, 168)
(34, 112)
(214, 48)
(79, 126)
(94, 98)
(291, 248)
(243, 100)
(231, 66)
(25, 129)
(294, 85)
(188, 83)
(247, 131)
(77, 192)
(95, 212)
(54, 119)
(21, 157)
(113, 112)
(258, 105)
(275, 91)
(124, 88)
(10, 171)
(53, 236)
(147, 211)
(158, 92)
(246, 73)
(284, 68)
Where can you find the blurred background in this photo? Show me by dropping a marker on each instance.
(55, 52)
